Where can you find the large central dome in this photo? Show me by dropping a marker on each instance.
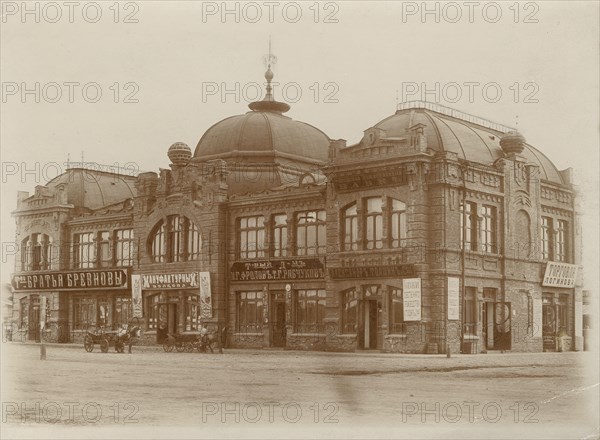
(264, 135)
(261, 134)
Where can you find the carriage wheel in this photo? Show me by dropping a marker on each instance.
(104, 345)
(189, 347)
(168, 346)
(88, 344)
(179, 346)
(120, 346)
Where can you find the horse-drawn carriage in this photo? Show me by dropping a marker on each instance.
(189, 341)
(127, 334)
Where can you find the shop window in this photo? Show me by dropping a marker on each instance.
(470, 311)
(192, 313)
(374, 223)
(104, 316)
(396, 311)
(398, 226)
(349, 311)
(250, 312)
(83, 312)
(152, 311)
(123, 310)
(279, 239)
(124, 247)
(36, 252)
(84, 250)
(310, 233)
(177, 239)
(351, 228)
(310, 311)
(251, 237)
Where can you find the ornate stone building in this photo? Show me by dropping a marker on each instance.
(437, 231)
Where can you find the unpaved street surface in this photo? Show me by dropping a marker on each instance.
(261, 394)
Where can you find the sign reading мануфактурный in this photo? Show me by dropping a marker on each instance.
(72, 280)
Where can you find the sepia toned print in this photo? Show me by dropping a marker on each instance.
(303, 220)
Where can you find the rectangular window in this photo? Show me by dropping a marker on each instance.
(349, 311)
(279, 239)
(123, 310)
(398, 223)
(310, 311)
(250, 312)
(84, 251)
(310, 233)
(351, 228)
(545, 235)
(560, 246)
(124, 247)
(396, 312)
(488, 229)
(468, 228)
(251, 237)
(83, 313)
(374, 223)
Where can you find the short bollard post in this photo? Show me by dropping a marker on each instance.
(448, 354)
(219, 338)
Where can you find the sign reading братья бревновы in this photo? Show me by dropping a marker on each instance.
(88, 279)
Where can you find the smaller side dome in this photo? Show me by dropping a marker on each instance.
(512, 142)
(179, 153)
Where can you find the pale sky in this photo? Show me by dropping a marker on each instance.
(363, 56)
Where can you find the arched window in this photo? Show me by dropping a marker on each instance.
(177, 239)
(310, 233)
(36, 252)
(351, 228)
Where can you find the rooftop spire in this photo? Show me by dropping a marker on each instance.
(268, 104)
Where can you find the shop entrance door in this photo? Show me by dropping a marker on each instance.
(278, 321)
(34, 318)
(167, 321)
(368, 332)
(549, 327)
(502, 326)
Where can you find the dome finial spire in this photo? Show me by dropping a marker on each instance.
(268, 103)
